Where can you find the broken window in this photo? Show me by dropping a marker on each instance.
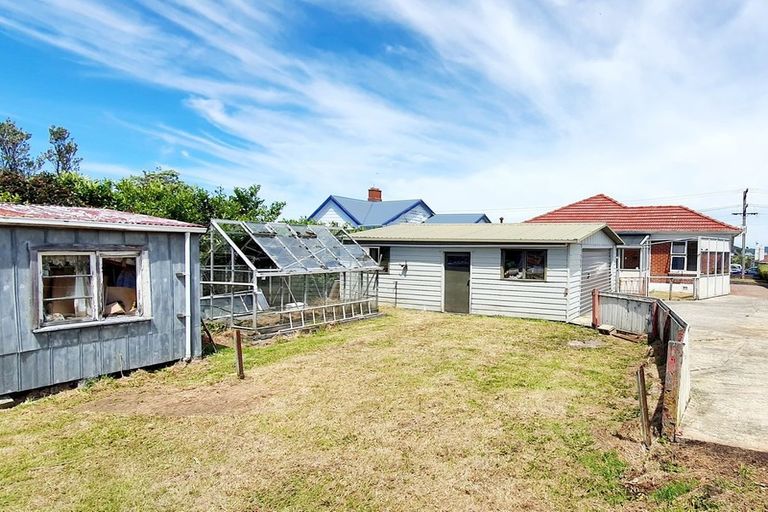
(119, 284)
(381, 256)
(67, 291)
(523, 264)
(90, 286)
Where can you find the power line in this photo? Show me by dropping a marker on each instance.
(551, 207)
(744, 213)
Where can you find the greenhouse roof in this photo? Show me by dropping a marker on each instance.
(293, 249)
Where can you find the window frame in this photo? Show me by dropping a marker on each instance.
(682, 255)
(379, 260)
(622, 250)
(524, 257)
(96, 255)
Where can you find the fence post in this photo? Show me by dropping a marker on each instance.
(239, 354)
(671, 389)
(595, 307)
(654, 321)
(645, 424)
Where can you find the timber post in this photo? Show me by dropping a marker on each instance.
(595, 308)
(239, 354)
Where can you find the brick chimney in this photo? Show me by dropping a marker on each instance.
(374, 194)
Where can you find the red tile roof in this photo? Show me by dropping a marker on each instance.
(636, 219)
(87, 217)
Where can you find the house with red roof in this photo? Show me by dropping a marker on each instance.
(669, 247)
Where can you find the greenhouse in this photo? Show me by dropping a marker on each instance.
(273, 278)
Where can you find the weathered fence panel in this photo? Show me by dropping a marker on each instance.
(626, 313)
(646, 315)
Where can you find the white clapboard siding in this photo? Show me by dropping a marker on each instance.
(491, 295)
(330, 214)
(418, 287)
(415, 215)
(596, 273)
(597, 241)
(574, 289)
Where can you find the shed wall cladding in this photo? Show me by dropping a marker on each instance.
(574, 289)
(421, 286)
(491, 295)
(29, 360)
(418, 287)
(596, 273)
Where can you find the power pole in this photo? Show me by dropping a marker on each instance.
(744, 214)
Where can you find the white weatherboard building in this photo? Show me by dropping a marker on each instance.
(545, 271)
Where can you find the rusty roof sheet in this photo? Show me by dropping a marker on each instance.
(636, 219)
(94, 218)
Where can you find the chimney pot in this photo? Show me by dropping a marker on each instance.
(374, 194)
(501, 220)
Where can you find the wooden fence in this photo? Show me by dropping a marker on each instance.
(646, 315)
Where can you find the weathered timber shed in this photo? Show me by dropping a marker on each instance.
(545, 271)
(88, 292)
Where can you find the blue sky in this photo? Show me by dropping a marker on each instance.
(510, 108)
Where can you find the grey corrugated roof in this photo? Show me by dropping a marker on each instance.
(486, 233)
(458, 218)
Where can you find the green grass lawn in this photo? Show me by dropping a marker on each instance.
(405, 412)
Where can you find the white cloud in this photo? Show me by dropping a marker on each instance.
(508, 107)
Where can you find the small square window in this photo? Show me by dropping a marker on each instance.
(678, 263)
(630, 259)
(523, 264)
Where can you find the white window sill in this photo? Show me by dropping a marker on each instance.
(94, 323)
(683, 272)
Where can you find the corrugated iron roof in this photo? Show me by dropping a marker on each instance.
(485, 233)
(458, 218)
(101, 218)
(372, 213)
(636, 219)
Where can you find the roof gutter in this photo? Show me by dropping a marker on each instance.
(116, 226)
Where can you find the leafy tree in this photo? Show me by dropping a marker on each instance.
(14, 150)
(161, 192)
(63, 153)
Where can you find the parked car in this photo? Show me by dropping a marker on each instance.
(752, 272)
(735, 268)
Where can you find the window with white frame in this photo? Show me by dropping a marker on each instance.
(83, 286)
(684, 256)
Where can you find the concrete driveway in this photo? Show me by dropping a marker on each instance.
(729, 368)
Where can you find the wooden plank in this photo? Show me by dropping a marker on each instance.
(239, 355)
(670, 403)
(645, 423)
(9, 335)
(9, 373)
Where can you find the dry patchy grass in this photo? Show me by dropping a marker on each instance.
(409, 411)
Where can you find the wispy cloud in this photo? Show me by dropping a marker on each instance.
(480, 104)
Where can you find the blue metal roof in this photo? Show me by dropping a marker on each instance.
(458, 218)
(372, 213)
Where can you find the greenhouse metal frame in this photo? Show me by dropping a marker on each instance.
(273, 278)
